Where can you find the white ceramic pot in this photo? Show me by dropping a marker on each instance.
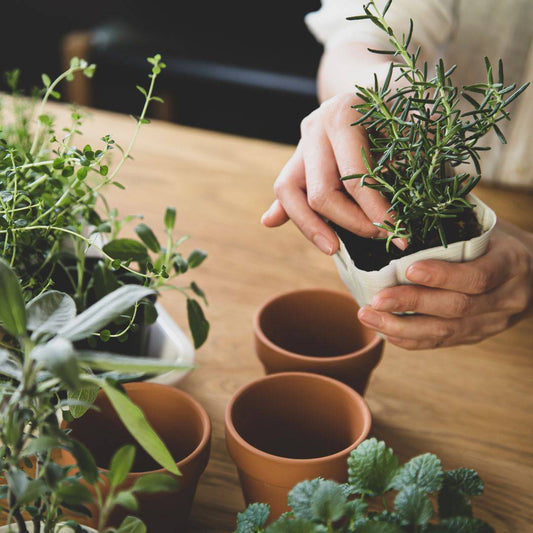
(365, 285)
(168, 342)
(14, 529)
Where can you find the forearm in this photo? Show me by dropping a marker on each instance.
(347, 65)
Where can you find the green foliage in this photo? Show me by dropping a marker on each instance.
(38, 364)
(53, 209)
(320, 505)
(418, 135)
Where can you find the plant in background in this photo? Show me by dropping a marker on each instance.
(323, 506)
(52, 210)
(41, 373)
(418, 135)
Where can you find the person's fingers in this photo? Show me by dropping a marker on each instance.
(347, 142)
(499, 264)
(274, 216)
(508, 297)
(420, 331)
(290, 190)
(325, 193)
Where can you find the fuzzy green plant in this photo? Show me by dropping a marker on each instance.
(418, 135)
(53, 210)
(363, 505)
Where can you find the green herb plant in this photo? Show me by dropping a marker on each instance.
(418, 134)
(374, 472)
(41, 375)
(53, 209)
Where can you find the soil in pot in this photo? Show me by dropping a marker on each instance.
(371, 254)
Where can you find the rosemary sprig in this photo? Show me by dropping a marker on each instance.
(418, 135)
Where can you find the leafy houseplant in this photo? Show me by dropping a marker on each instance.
(53, 211)
(362, 506)
(417, 136)
(38, 363)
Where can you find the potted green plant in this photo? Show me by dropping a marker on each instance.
(417, 136)
(42, 374)
(57, 229)
(364, 504)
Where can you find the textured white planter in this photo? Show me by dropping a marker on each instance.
(14, 529)
(365, 285)
(168, 342)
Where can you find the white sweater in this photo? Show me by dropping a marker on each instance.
(462, 32)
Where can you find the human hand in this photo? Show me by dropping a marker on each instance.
(459, 303)
(309, 186)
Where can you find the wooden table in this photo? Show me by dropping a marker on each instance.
(472, 405)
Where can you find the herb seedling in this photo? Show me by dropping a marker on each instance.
(418, 135)
(52, 208)
(324, 506)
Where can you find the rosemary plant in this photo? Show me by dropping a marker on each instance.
(53, 209)
(418, 135)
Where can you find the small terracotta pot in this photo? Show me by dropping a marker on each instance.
(316, 330)
(185, 428)
(288, 427)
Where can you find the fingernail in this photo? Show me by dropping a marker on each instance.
(402, 244)
(417, 274)
(266, 213)
(385, 304)
(322, 242)
(370, 317)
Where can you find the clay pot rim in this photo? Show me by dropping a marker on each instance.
(205, 420)
(376, 341)
(361, 403)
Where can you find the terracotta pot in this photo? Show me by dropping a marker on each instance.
(316, 330)
(285, 428)
(183, 425)
(365, 285)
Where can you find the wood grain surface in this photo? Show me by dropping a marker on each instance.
(471, 405)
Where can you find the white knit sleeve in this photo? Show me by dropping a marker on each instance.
(434, 22)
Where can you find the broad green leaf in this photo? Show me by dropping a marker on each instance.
(84, 460)
(41, 444)
(379, 527)
(156, 482)
(49, 312)
(58, 357)
(301, 496)
(121, 464)
(453, 503)
(126, 250)
(328, 501)
(198, 324)
(73, 493)
(372, 467)
(131, 524)
(464, 480)
(170, 218)
(148, 237)
(196, 258)
(9, 366)
(136, 423)
(253, 518)
(18, 483)
(86, 394)
(102, 361)
(413, 507)
(463, 524)
(424, 472)
(12, 308)
(127, 500)
(104, 311)
(296, 525)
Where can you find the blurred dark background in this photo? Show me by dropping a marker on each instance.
(239, 66)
